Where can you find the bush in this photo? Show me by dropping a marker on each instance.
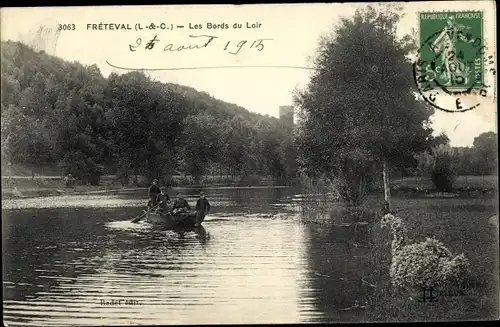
(318, 196)
(123, 175)
(443, 174)
(443, 177)
(94, 176)
(440, 166)
(81, 167)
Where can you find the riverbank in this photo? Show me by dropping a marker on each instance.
(38, 187)
(27, 187)
(465, 224)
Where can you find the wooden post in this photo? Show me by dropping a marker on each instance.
(387, 187)
(10, 172)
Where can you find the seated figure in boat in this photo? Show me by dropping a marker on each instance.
(163, 200)
(180, 204)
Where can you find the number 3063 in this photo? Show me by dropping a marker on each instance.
(66, 27)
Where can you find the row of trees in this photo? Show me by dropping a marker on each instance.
(442, 162)
(360, 115)
(481, 158)
(60, 113)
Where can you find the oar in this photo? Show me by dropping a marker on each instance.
(136, 219)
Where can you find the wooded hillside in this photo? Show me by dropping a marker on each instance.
(56, 112)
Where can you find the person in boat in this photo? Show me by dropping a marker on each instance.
(163, 200)
(180, 204)
(202, 208)
(153, 192)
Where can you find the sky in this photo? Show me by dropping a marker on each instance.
(291, 31)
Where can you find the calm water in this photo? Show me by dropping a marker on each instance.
(67, 258)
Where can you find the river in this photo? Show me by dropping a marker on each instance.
(78, 260)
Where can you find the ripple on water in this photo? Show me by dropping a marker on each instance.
(128, 225)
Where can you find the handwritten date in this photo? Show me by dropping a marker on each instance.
(200, 42)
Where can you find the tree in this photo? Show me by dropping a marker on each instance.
(288, 154)
(485, 148)
(144, 121)
(465, 161)
(359, 109)
(202, 144)
(236, 138)
(441, 139)
(25, 138)
(440, 164)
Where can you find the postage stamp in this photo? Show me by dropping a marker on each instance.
(452, 49)
(453, 60)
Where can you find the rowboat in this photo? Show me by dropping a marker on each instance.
(181, 220)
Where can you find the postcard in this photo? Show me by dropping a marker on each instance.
(270, 163)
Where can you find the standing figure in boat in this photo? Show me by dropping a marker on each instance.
(180, 204)
(163, 200)
(202, 208)
(153, 192)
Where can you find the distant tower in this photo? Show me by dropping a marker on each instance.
(286, 114)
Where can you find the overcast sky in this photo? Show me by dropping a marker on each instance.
(294, 30)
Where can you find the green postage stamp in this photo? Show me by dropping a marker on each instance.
(452, 50)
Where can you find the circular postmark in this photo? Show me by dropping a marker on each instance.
(44, 37)
(453, 71)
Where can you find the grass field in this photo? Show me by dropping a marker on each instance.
(464, 226)
(461, 181)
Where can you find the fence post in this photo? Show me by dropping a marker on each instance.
(387, 187)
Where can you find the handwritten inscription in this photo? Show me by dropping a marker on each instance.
(200, 42)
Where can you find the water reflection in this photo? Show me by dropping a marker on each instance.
(66, 266)
(338, 264)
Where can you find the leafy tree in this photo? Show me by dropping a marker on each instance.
(441, 139)
(268, 138)
(359, 108)
(81, 166)
(485, 148)
(465, 161)
(236, 140)
(25, 139)
(202, 144)
(288, 154)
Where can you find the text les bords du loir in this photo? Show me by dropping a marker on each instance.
(224, 26)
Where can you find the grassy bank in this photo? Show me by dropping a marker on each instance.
(464, 226)
(462, 223)
(490, 181)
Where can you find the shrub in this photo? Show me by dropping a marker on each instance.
(318, 195)
(82, 167)
(440, 166)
